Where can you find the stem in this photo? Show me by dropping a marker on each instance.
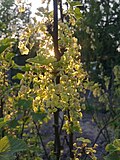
(57, 136)
(62, 122)
(55, 31)
(40, 136)
(1, 115)
(2, 102)
(96, 139)
(100, 126)
(21, 134)
(61, 11)
(110, 94)
(70, 137)
(23, 126)
(105, 127)
(57, 145)
(1, 108)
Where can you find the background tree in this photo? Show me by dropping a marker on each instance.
(13, 18)
(50, 84)
(99, 37)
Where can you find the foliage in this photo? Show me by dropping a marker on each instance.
(98, 34)
(46, 94)
(9, 146)
(33, 102)
(114, 150)
(49, 86)
(11, 19)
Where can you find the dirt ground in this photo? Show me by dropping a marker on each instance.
(89, 131)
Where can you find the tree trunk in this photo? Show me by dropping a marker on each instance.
(57, 56)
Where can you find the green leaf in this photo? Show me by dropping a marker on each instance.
(10, 145)
(77, 13)
(113, 156)
(26, 67)
(9, 56)
(74, 3)
(42, 60)
(114, 149)
(2, 122)
(83, 140)
(19, 75)
(110, 148)
(5, 43)
(3, 47)
(25, 103)
(116, 143)
(4, 157)
(115, 146)
(39, 116)
(13, 123)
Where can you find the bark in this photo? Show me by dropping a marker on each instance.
(57, 145)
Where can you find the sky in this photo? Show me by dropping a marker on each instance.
(36, 4)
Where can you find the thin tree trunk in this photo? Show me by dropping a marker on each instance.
(70, 138)
(57, 56)
(1, 114)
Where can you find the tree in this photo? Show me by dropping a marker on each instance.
(99, 37)
(49, 85)
(13, 19)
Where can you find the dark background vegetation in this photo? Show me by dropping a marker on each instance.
(98, 34)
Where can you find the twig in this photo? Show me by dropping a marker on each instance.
(96, 139)
(23, 125)
(62, 122)
(105, 127)
(61, 11)
(39, 134)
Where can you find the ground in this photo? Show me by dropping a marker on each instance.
(90, 131)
